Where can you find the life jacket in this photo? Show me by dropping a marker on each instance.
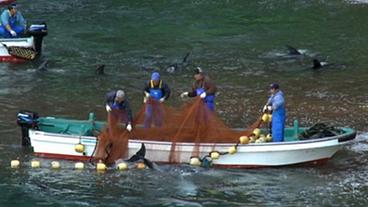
(155, 93)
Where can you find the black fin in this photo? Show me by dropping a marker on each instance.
(43, 66)
(186, 57)
(100, 70)
(148, 163)
(172, 68)
(134, 158)
(292, 50)
(316, 64)
(138, 155)
(142, 151)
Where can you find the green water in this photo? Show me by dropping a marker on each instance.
(241, 45)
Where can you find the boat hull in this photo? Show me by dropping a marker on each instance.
(54, 145)
(17, 42)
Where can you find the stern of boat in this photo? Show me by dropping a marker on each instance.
(38, 31)
(27, 120)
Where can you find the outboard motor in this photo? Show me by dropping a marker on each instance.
(38, 31)
(27, 120)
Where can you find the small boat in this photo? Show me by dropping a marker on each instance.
(18, 50)
(53, 137)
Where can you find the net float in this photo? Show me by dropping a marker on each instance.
(122, 166)
(101, 166)
(79, 148)
(215, 155)
(195, 161)
(269, 138)
(79, 165)
(55, 165)
(141, 165)
(14, 163)
(35, 164)
(265, 117)
(244, 140)
(232, 150)
(256, 132)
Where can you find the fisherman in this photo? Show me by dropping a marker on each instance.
(202, 87)
(276, 106)
(12, 22)
(116, 100)
(157, 91)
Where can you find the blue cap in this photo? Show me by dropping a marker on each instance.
(13, 5)
(155, 76)
(274, 86)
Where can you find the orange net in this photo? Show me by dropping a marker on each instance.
(155, 121)
(113, 140)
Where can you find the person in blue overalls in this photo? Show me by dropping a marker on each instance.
(276, 105)
(116, 100)
(204, 88)
(12, 23)
(155, 91)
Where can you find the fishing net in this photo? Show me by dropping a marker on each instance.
(320, 130)
(113, 140)
(22, 52)
(156, 121)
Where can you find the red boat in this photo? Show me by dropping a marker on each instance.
(6, 2)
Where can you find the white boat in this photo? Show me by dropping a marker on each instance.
(53, 137)
(19, 50)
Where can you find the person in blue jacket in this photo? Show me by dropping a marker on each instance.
(12, 22)
(203, 87)
(116, 100)
(276, 105)
(158, 91)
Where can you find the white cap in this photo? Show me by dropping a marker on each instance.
(120, 94)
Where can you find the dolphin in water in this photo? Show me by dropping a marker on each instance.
(294, 51)
(317, 64)
(173, 67)
(138, 157)
(176, 66)
(43, 65)
(100, 70)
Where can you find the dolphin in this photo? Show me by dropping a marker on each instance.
(186, 57)
(100, 70)
(43, 65)
(318, 64)
(138, 156)
(172, 68)
(176, 66)
(293, 50)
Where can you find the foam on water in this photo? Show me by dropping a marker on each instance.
(357, 1)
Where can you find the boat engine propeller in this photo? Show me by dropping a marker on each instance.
(27, 120)
(38, 31)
